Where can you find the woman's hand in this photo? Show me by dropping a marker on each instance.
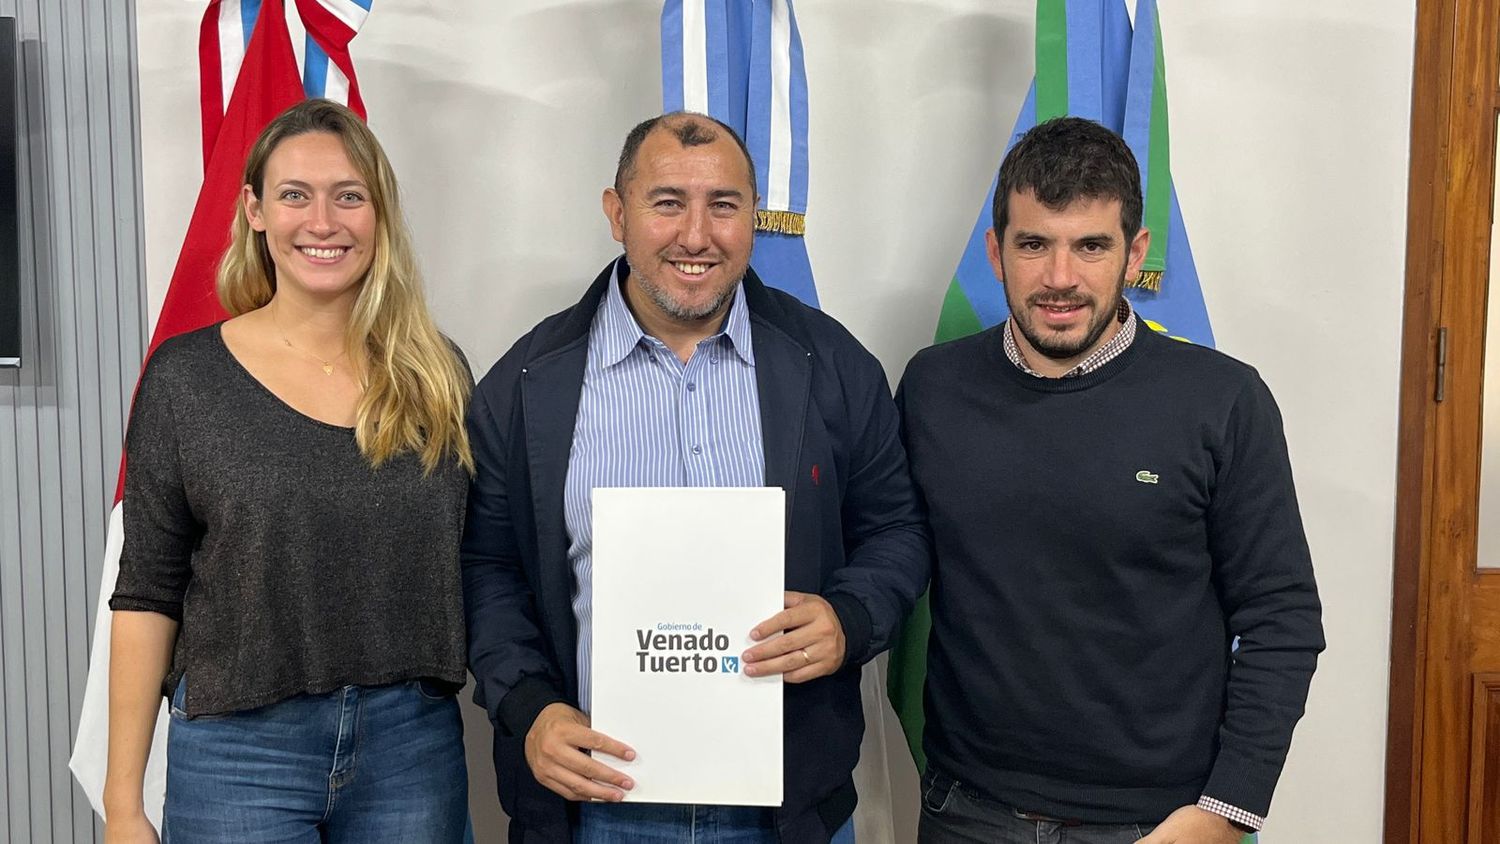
(130, 828)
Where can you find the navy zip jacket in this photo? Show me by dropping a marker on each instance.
(854, 536)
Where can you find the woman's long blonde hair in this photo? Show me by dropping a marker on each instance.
(415, 386)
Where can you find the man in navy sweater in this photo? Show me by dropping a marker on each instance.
(1111, 509)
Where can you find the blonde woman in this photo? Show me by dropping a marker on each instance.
(293, 509)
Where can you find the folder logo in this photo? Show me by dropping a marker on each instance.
(684, 653)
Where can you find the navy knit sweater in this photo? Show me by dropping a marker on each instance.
(1100, 542)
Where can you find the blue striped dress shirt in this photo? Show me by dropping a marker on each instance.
(646, 419)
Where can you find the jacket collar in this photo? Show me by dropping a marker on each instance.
(576, 321)
(615, 332)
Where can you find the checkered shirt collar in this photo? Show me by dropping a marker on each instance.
(1101, 356)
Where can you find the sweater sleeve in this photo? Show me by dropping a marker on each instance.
(160, 528)
(887, 542)
(1263, 574)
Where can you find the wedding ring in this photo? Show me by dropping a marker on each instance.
(806, 657)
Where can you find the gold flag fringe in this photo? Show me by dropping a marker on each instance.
(781, 222)
(1148, 280)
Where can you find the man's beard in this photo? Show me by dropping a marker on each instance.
(678, 311)
(1054, 346)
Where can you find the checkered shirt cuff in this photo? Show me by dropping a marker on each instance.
(1234, 813)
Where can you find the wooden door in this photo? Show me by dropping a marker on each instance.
(1443, 759)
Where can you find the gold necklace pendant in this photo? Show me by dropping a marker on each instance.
(327, 364)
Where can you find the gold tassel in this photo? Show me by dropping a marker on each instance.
(781, 222)
(1148, 280)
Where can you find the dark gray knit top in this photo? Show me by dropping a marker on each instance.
(292, 564)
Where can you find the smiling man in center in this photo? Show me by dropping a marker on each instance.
(679, 367)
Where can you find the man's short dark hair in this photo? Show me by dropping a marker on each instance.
(1067, 159)
(691, 130)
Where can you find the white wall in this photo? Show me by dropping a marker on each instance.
(1290, 128)
(1290, 138)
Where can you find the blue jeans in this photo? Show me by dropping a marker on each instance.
(664, 823)
(952, 813)
(362, 764)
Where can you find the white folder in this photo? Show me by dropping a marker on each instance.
(680, 576)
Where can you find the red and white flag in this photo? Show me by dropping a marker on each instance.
(249, 73)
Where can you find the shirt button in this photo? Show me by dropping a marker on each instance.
(697, 449)
(713, 358)
(692, 385)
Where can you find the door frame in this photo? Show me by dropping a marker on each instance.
(1455, 97)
